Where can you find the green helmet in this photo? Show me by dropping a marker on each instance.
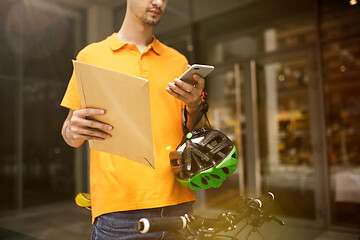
(204, 160)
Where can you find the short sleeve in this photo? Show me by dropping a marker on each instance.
(71, 98)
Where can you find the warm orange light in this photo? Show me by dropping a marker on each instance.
(281, 77)
(353, 2)
(168, 148)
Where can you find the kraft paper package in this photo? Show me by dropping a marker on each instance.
(126, 100)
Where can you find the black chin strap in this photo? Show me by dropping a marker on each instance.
(203, 111)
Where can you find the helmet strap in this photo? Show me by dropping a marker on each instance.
(203, 111)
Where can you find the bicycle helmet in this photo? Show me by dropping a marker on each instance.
(205, 158)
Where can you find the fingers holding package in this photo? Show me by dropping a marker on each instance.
(80, 126)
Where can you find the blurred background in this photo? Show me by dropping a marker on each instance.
(285, 89)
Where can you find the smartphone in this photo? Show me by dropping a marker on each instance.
(202, 70)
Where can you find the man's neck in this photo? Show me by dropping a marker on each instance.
(133, 31)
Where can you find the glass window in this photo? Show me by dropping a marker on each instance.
(48, 161)
(339, 18)
(342, 82)
(257, 28)
(43, 37)
(46, 48)
(7, 54)
(285, 136)
(40, 40)
(8, 143)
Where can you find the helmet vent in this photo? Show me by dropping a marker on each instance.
(213, 143)
(226, 170)
(203, 181)
(234, 155)
(215, 176)
(195, 185)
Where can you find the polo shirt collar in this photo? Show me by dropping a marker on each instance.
(116, 43)
(156, 46)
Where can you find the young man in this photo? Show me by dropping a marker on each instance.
(123, 191)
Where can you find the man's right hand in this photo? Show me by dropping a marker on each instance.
(77, 127)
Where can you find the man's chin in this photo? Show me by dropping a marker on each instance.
(152, 22)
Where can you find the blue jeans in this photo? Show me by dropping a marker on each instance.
(121, 225)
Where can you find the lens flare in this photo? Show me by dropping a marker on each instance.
(37, 29)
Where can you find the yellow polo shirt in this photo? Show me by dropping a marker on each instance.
(116, 183)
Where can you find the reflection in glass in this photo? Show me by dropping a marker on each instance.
(48, 161)
(285, 138)
(8, 144)
(342, 82)
(37, 45)
(8, 64)
(44, 36)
